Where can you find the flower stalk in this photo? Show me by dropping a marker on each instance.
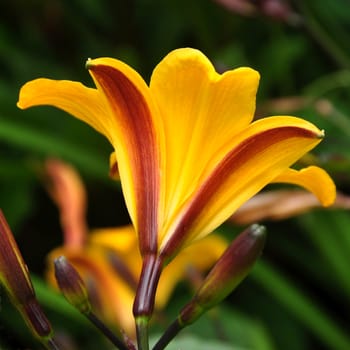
(141, 323)
(232, 267)
(74, 290)
(145, 297)
(146, 291)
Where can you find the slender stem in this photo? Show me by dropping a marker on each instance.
(106, 331)
(168, 335)
(322, 37)
(142, 332)
(145, 297)
(52, 345)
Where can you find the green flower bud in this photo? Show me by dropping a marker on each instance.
(232, 267)
(72, 285)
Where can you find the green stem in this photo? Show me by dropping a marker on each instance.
(322, 36)
(168, 335)
(142, 332)
(51, 345)
(327, 83)
(106, 331)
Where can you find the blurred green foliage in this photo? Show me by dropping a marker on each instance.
(298, 296)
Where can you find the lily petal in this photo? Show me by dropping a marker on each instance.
(68, 192)
(262, 151)
(312, 178)
(136, 142)
(76, 99)
(280, 205)
(202, 110)
(122, 241)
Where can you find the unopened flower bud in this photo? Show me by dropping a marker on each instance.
(72, 285)
(37, 318)
(15, 278)
(232, 267)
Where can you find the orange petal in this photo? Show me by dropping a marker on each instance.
(67, 190)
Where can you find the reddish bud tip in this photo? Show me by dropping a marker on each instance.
(37, 319)
(15, 278)
(72, 285)
(232, 267)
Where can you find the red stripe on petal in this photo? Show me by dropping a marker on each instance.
(137, 135)
(244, 152)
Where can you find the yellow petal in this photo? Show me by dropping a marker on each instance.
(121, 239)
(74, 98)
(136, 141)
(122, 242)
(202, 110)
(314, 179)
(113, 167)
(262, 151)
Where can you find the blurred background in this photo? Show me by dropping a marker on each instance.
(297, 297)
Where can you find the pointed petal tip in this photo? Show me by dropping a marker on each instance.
(321, 134)
(88, 63)
(21, 103)
(102, 61)
(257, 231)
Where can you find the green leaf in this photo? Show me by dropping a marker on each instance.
(190, 342)
(28, 138)
(301, 306)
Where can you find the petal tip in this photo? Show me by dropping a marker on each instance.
(257, 231)
(321, 134)
(21, 103)
(88, 63)
(330, 199)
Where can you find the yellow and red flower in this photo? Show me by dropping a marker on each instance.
(189, 153)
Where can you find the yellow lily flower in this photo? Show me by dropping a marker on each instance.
(108, 259)
(189, 154)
